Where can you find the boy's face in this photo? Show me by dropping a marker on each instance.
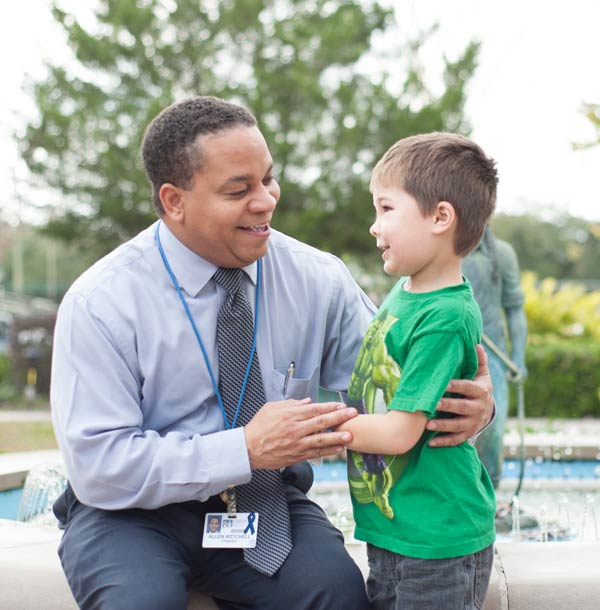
(402, 232)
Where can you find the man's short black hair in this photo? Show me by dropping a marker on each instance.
(170, 149)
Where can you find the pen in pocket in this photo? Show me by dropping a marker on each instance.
(291, 370)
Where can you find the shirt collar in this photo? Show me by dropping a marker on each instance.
(191, 270)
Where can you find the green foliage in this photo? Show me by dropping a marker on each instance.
(7, 391)
(567, 247)
(564, 379)
(563, 351)
(565, 311)
(299, 66)
(49, 265)
(4, 368)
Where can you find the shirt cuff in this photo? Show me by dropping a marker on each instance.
(229, 461)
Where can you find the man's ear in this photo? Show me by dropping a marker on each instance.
(171, 198)
(444, 218)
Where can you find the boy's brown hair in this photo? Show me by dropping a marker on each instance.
(441, 166)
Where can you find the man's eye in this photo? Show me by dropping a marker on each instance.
(237, 193)
(268, 180)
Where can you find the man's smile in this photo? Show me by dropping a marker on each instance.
(260, 228)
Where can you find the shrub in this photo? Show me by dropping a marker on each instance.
(7, 390)
(4, 368)
(564, 379)
(555, 311)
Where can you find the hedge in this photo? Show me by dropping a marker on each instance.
(563, 381)
(4, 367)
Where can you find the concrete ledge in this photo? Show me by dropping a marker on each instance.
(526, 576)
(542, 575)
(31, 576)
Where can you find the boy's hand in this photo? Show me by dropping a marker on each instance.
(472, 412)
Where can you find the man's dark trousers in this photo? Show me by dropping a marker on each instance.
(148, 559)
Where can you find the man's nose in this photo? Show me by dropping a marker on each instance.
(265, 201)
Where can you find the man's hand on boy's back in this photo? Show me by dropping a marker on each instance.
(472, 412)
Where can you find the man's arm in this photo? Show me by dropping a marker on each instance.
(472, 413)
(115, 461)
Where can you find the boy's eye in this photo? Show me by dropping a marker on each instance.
(385, 208)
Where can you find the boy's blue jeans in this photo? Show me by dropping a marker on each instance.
(397, 582)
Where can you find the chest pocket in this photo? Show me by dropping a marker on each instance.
(297, 387)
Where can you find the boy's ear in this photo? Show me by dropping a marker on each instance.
(172, 201)
(444, 218)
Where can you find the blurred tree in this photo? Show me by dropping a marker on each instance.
(49, 265)
(566, 248)
(300, 67)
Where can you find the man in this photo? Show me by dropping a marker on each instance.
(145, 410)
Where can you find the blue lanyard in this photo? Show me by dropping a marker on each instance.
(197, 333)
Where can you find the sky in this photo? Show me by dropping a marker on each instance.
(539, 62)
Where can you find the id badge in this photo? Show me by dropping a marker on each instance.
(225, 531)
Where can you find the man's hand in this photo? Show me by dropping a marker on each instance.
(472, 413)
(289, 431)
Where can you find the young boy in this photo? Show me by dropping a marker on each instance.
(427, 514)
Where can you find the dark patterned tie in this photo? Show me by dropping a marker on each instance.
(264, 494)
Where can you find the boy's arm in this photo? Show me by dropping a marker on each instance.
(389, 433)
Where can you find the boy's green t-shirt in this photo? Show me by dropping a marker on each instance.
(428, 503)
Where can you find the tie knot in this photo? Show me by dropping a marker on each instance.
(230, 279)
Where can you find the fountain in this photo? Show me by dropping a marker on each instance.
(43, 486)
(539, 560)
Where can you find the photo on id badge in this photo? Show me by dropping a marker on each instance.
(222, 530)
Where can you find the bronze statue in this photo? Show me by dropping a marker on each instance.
(493, 270)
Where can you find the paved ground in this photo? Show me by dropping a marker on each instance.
(6, 415)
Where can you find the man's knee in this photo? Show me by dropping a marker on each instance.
(342, 587)
(115, 561)
(158, 597)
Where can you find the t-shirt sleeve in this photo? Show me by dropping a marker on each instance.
(432, 361)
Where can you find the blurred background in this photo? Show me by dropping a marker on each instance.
(332, 83)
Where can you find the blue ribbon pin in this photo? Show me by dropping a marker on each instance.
(250, 526)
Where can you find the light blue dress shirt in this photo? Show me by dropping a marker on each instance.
(134, 410)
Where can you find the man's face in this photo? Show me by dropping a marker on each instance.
(226, 214)
(213, 525)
